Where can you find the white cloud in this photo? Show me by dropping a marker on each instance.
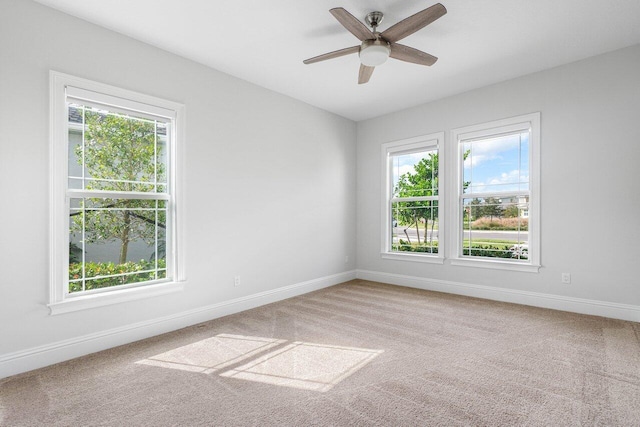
(505, 182)
(490, 149)
(508, 178)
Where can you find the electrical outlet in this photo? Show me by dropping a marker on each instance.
(566, 278)
(236, 281)
(346, 259)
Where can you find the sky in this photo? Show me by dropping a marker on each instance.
(499, 164)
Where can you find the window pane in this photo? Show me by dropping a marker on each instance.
(415, 174)
(496, 227)
(112, 151)
(497, 164)
(415, 226)
(115, 242)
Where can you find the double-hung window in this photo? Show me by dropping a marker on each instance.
(497, 205)
(412, 188)
(114, 193)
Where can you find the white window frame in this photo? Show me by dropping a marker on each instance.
(529, 122)
(406, 146)
(62, 86)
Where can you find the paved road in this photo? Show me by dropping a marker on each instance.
(482, 234)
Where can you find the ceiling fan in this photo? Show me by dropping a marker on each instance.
(377, 47)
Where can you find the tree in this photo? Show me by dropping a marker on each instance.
(511, 211)
(120, 154)
(492, 207)
(422, 182)
(476, 208)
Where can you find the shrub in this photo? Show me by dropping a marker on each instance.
(493, 251)
(405, 246)
(95, 272)
(486, 223)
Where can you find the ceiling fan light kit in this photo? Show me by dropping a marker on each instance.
(377, 47)
(374, 52)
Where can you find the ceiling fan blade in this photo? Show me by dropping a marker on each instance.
(409, 54)
(331, 55)
(352, 24)
(365, 74)
(410, 25)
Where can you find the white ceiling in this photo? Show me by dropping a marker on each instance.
(478, 42)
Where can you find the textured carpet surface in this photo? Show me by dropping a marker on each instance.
(359, 353)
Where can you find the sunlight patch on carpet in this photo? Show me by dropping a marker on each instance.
(302, 365)
(212, 354)
(305, 366)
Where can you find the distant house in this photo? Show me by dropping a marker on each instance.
(521, 202)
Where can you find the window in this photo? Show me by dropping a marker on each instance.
(115, 233)
(412, 198)
(497, 214)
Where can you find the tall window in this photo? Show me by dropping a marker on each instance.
(497, 220)
(412, 188)
(117, 225)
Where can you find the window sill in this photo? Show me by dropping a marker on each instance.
(430, 259)
(496, 265)
(77, 303)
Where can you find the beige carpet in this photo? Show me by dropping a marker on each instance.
(360, 353)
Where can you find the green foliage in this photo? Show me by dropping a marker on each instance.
(120, 148)
(95, 272)
(75, 253)
(485, 223)
(422, 182)
(511, 211)
(404, 246)
(476, 208)
(121, 154)
(492, 251)
(492, 208)
(495, 249)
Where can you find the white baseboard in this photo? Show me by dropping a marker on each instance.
(556, 302)
(38, 357)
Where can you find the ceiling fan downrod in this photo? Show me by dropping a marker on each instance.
(373, 19)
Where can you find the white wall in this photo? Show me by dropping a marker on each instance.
(270, 186)
(590, 199)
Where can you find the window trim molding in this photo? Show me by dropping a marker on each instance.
(527, 121)
(59, 301)
(408, 145)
